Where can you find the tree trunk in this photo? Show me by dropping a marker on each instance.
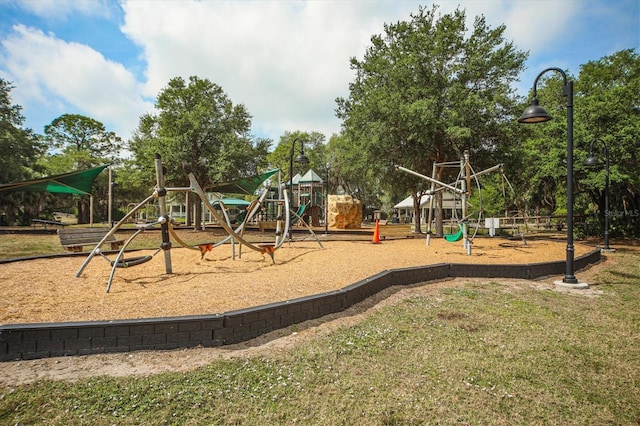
(417, 228)
(188, 202)
(438, 214)
(83, 212)
(197, 216)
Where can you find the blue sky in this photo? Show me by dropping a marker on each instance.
(286, 61)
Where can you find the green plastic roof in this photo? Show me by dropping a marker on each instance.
(69, 183)
(242, 186)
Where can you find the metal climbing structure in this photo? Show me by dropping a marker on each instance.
(167, 231)
(467, 179)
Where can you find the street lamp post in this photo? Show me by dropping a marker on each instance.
(113, 204)
(592, 161)
(300, 159)
(534, 113)
(326, 201)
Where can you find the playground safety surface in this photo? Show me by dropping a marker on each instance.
(46, 290)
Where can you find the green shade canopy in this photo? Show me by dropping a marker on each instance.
(242, 186)
(69, 183)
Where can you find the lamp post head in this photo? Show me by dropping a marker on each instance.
(301, 158)
(592, 161)
(534, 113)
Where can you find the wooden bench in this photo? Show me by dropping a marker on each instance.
(74, 239)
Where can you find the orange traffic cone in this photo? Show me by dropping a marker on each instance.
(376, 233)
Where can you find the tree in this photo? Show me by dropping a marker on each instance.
(608, 106)
(84, 138)
(197, 123)
(20, 150)
(77, 142)
(541, 158)
(607, 95)
(349, 170)
(428, 90)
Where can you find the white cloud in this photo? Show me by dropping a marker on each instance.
(286, 61)
(65, 75)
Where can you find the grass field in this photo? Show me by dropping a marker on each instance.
(481, 352)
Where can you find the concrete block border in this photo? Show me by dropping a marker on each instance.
(32, 341)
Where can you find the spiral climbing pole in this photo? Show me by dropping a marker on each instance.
(167, 231)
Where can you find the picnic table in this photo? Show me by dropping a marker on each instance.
(45, 223)
(74, 239)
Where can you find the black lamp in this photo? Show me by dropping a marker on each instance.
(300, 159)
(592, 161)
(534, 113)
(537, 114)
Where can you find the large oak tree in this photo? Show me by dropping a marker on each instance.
(77, 142)
(197, 123)
(427, 90)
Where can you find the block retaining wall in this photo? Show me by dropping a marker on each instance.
(32, 341)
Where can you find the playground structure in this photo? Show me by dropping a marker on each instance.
(462, 187)
(167, 230)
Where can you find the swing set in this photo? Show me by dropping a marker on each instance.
(461, 190)
(221, 216)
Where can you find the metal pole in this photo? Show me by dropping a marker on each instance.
(110, 201)
(429, 179)
(606, 198)
(431, 198)
(569, 276)
(536, 114)
(463, 184)
(326, 203)
(162, 207)
(280, 233)
(301, 159)
(293, 144)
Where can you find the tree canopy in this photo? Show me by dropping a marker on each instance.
(427, 90)
(312, 144)
(20, 149)
(608, 108)
(197, 123)
(82, 138)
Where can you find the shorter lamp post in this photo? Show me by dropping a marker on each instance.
(300, 159)
(592, 161)
(112, 204)
(326, 201)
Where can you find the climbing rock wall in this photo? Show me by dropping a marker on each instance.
(345, 212)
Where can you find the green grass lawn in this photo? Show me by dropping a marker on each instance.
(474, 353)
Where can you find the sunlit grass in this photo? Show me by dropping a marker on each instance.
(25, 245)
